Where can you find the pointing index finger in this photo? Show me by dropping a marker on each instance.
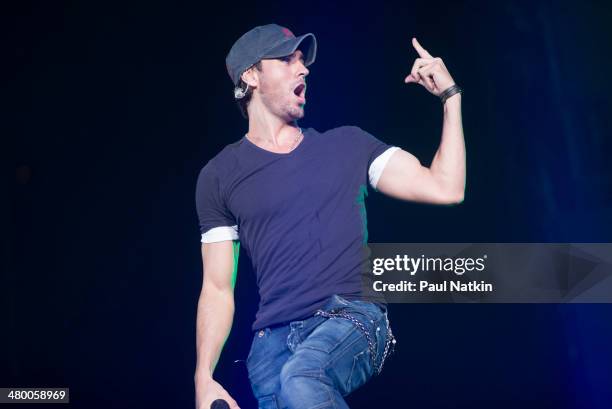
(422, 52)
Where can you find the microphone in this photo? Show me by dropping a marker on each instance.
(219, 404)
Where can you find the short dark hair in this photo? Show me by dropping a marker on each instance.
(243, 102)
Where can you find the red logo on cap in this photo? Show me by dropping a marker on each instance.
(287, 32)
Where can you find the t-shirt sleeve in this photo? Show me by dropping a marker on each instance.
(216, 221)
(377, 153)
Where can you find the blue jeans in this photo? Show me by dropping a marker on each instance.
(313, 363)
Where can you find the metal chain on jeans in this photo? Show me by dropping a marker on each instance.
(389, 345)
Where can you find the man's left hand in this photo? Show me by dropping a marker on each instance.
(428, 71)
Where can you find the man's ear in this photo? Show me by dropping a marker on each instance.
(250, 77)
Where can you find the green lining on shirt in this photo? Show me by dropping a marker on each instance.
(361, 195)
(236, 248)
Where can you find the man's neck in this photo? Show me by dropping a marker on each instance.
(273, 133)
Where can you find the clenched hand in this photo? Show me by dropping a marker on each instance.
(429, 71)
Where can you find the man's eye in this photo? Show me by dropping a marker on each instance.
(286, 58)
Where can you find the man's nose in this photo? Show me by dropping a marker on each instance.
(303, 70)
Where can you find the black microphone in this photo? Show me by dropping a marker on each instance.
(219, 404)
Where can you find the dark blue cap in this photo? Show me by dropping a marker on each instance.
(269, 41)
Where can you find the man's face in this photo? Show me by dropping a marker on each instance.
(282, 86)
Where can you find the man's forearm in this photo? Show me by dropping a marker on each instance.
(448, 165)
(214, 322)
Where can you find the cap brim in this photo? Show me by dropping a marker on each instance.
(308, 41)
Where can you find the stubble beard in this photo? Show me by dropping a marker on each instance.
(282, 105)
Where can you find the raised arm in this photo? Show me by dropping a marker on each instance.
(444, 181)
(214, 318)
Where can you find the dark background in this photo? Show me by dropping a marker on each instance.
(111, 109)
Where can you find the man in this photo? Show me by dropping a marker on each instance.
(295, 200)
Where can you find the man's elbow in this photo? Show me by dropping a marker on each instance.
(450, 192)
(456, 198)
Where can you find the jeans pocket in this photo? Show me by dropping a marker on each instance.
(360, 372)
(267, 402)
(329, 335)
(256, 356)
(251, 351)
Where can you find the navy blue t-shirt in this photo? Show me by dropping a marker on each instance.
(300, 216)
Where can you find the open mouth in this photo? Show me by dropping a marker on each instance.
(300, 91)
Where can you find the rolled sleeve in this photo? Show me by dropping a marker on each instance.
(216, 221)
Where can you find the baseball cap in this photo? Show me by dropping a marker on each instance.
(267, 41)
